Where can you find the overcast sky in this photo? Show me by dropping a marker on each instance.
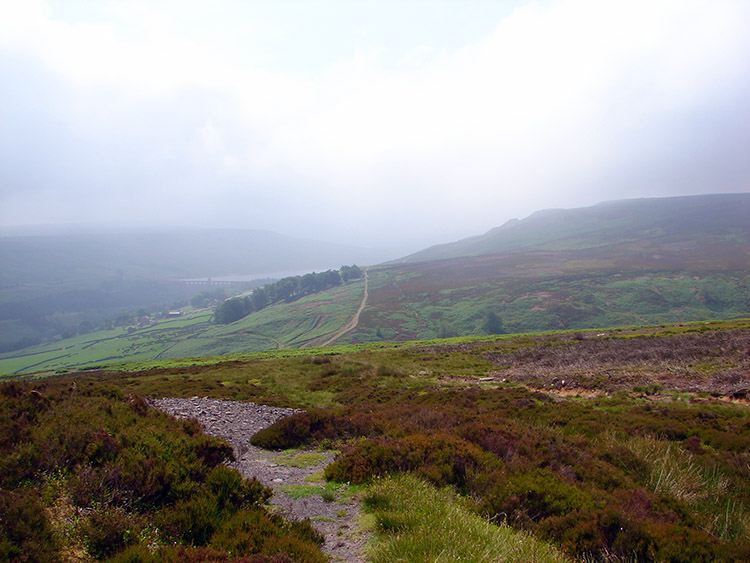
(367, 121)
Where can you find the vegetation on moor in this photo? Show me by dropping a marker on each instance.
(614, 445)
(88, 474)
(617, 264)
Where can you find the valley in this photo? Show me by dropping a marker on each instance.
(617, 264)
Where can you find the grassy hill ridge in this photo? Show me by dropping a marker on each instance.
(655, 222)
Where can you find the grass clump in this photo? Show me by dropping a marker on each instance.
(415, 521)
(304, 459)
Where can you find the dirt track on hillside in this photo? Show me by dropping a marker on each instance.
(352, 324)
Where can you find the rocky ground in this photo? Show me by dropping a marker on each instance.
(291, 475)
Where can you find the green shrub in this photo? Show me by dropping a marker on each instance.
(108, 531)
(191, 521)
(255, 531)
(535, 495)
(181, 554)
(132, 469)
(297, 430)
(231, 489)
(245, 532)
(25, 531)
(213, 451)
(680, 544)
(441, 458)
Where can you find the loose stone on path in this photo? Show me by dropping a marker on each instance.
(236, 422)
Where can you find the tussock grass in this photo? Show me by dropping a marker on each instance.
(673, 472)
(707, 492)
(416, 522)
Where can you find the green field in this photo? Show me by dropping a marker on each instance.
(639, 262)
(288, 325)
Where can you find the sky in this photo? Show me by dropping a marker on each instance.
(378, 123)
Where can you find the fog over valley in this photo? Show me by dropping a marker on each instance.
(378, 124)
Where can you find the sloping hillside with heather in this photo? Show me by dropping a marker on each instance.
(607, 445)
(676, 225)
(619, 263)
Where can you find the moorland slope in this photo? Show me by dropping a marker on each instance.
(636, 225)
(62, 284)
(624, 263)
(606, 445)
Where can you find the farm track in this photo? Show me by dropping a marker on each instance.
(352, 324)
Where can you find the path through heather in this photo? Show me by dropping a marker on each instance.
(236, 422)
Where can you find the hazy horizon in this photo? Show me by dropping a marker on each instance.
(377, 124)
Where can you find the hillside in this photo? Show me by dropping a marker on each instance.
(307, 321)
(616, 264)
(62, 284)
(640, 225)
(606, 445)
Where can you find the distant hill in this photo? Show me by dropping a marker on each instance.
(166, 255)
(618, 263)
(647, 224)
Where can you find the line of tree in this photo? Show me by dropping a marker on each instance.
(285, 290)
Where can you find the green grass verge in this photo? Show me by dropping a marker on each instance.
(416, 522)
(303, 459)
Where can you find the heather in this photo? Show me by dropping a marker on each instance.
(92, 475)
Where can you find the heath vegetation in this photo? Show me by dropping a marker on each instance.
(610, 445)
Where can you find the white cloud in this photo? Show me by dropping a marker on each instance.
(560, 104)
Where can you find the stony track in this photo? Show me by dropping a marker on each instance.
(236, 422)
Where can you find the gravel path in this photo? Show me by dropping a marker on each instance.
(236, 422)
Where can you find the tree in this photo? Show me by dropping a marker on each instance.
(230, 310)
(285, 288)
(350, 273)
(331, 278)
(259, 298)
(493, 324)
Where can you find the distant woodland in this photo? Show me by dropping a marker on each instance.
(287, 289)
